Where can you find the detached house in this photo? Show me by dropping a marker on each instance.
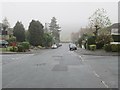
(115, 32)
(5, 34)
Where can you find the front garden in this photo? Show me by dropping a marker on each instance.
(106, 42)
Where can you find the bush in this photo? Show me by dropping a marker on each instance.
(23, 46)
(26, 45)
(92, 47)
(107, 47)
(11, 40)
(20, 48)
(103, 39)
(99, 45)
(47, 40)
(40, 47)
(80, 42)
(13, 49)
(115, 47)
(90, 41)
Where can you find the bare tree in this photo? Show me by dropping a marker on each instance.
(99, 20)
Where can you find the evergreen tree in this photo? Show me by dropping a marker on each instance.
(54, 28)
(35, 33)
(19, 32)
(47, 40)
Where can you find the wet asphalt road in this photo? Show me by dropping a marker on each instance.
(59, 68)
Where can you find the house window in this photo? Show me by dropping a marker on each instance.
(114, 31)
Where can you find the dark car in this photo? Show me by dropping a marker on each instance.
(3, 43)
(72, 47)
(59, 44)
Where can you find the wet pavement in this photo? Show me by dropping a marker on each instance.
(59, 68)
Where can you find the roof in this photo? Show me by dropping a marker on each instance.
(116, 25)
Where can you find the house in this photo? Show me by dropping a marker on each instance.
(115, 32)
(5, 34)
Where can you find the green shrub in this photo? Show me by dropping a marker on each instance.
(11, 40)
(92, 47)
(40, 47)
(26, 45)
(23, 46)
(115, 47)
(90, 41)
(80, 42)
(103, 39)
(20, 48)
(107, 47)
(13, 49)
(99, 45)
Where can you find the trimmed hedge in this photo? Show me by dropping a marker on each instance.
(90, 41)
(92, 47)
(115, 47)
(112, 47)
(107, 47)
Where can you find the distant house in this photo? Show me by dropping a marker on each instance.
(5, 34)
(115, 32)
(115, 29)
(1, 28)
(47, 28)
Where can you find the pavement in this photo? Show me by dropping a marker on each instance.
(27, 52)
(59, 68)
(101, 52)
(80, 51)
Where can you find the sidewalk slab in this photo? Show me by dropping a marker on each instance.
(15, 52)
(101, 52)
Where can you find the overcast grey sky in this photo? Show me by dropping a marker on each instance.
(71, 16)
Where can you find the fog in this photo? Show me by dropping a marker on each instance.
(71, 16)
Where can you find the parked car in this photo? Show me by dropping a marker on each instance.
(54, 46)
(3, 43)
(72, 46)
(59, 44)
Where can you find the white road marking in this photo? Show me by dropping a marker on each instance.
(105, 84)
(101, 81)
(96, 74)
(81, 58)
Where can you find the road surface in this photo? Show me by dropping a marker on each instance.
(59, 68)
